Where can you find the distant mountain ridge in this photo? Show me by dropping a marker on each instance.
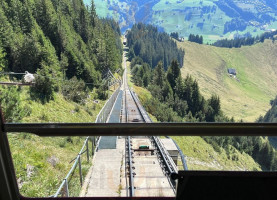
(212, 18)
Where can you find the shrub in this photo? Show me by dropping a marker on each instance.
(74, 90)
(11, 104)
(45, 85)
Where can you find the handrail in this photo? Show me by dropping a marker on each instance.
(66, 180)
(105, 111)
(101, 118)
(184, 162)
(141, 109)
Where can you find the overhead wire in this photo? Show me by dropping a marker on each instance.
(58, 79)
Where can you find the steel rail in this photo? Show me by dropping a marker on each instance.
(131, 173)
(126, 112)
(166, 159)
(130, 161)
(139, 108)
(170, 169)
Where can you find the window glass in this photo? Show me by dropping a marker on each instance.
(51, 166)
(122, 61)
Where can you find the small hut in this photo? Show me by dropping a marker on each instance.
(232, 71)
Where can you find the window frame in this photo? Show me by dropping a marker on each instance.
(10, 191)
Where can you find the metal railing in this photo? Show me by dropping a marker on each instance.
(141, 109)
(101, 118)
(64, 187)
(105, 111)
(166, 160)
(184, 162)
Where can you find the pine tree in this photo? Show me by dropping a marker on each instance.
(93, 15)
(159, 75)
(201, 40)
(214, 102)
(173, 73)
(3, 62)
(180, 88)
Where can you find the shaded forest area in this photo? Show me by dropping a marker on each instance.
(245, 41)
(152, 46)
(261, 149)
(177, 99)
(196, 38)
(57, 40)
(271, 115)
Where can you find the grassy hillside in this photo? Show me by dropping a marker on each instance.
(60, 110)
(42, 163)
(246, 97)
(201, 156)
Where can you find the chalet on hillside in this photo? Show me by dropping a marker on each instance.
(232, 71)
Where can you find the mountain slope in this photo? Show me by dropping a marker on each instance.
(246, 97)
(64, 45)
(211, 18)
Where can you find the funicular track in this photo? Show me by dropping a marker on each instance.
(121, 167)
(148, 170)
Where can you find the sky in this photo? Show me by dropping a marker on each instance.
(87, 1)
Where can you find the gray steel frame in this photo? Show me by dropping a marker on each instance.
(145, 129)
(9, 188)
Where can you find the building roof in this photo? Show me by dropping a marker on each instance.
(232, 71)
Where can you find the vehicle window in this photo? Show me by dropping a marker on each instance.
(98, 63)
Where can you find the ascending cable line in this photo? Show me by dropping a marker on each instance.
(12, 73)
(26, 73)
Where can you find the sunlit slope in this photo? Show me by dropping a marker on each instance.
(246, 97)
(203, 156)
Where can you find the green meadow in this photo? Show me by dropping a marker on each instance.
(248, 95)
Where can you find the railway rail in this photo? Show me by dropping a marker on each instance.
(134, 166)
(139, 160)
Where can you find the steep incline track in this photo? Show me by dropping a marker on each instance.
(148, 170)
(134, 166)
